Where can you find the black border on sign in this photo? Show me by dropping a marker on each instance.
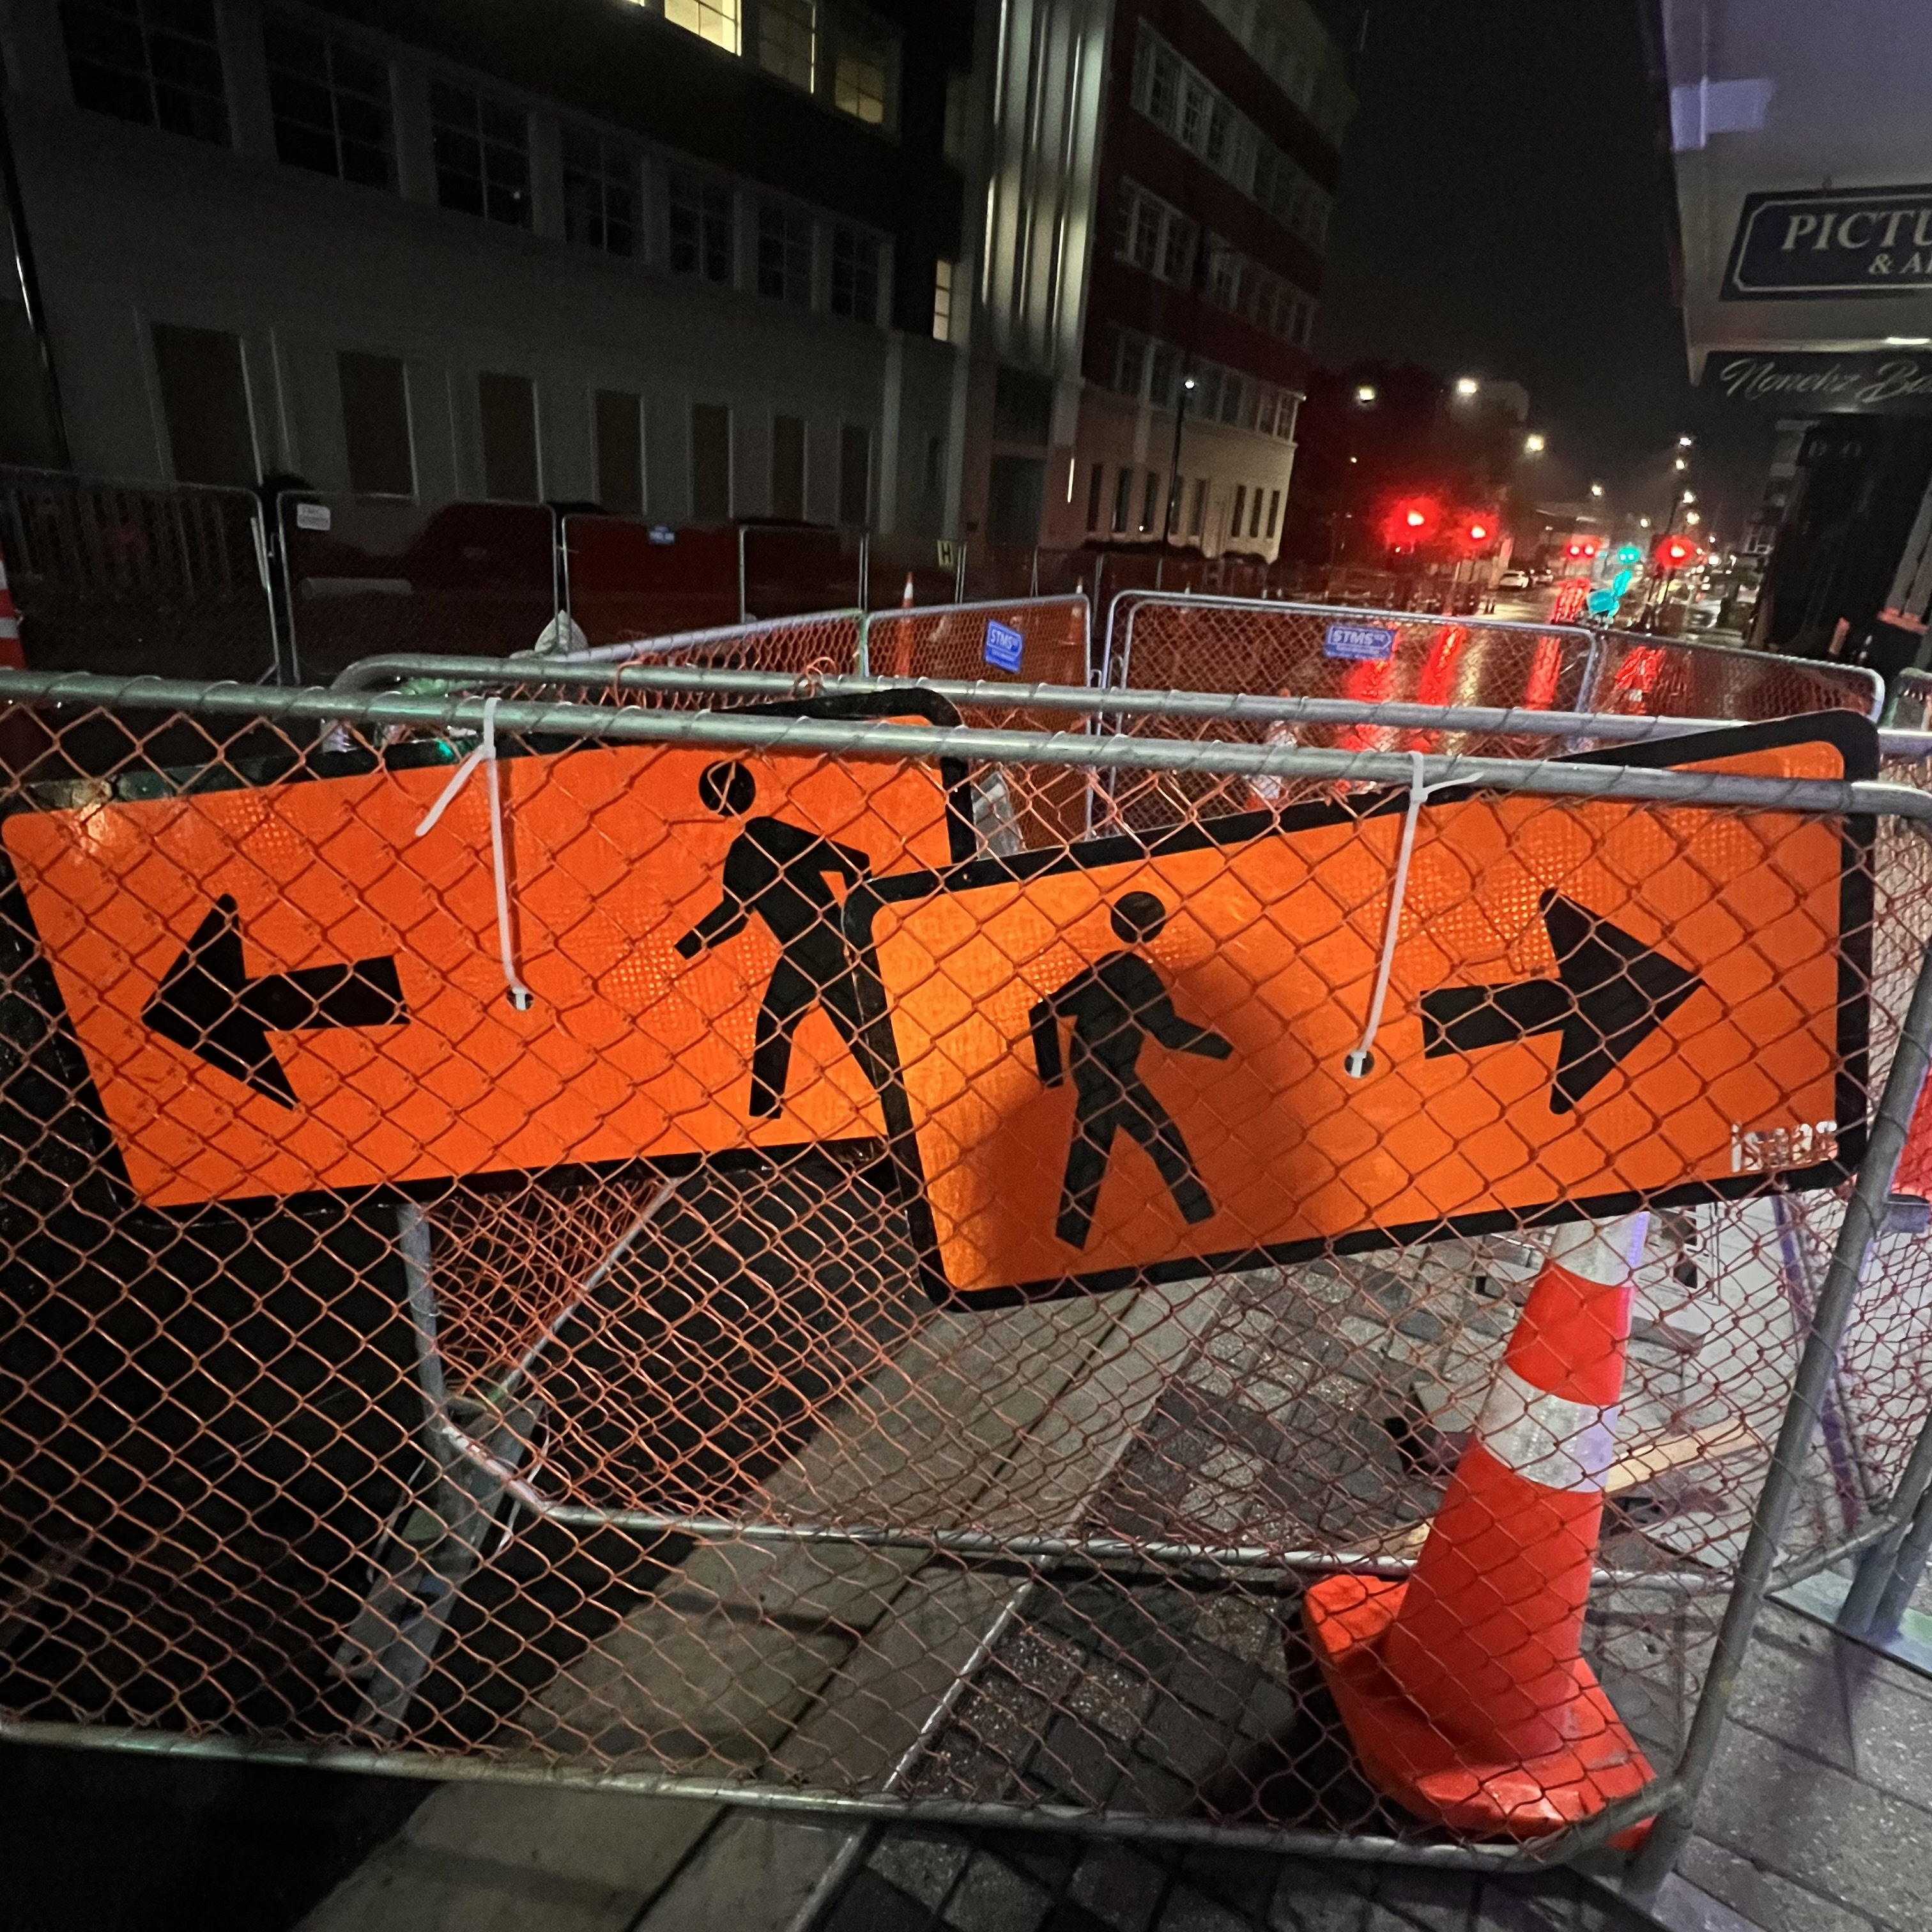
(63, 1037)
(1853, 737)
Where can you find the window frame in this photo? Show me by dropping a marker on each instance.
(486, 143)
(621, 178)
(333, 47)
(710, 194)
(165, 97)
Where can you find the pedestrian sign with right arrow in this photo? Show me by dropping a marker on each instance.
(1589, 1004)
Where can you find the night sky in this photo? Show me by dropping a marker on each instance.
(1504, 211)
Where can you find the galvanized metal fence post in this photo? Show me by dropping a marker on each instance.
(1865, 1218)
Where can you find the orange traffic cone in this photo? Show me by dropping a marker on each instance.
(905, 602)
(11, 654)
(1464, 1690)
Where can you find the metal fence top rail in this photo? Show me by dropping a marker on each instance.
(892, 742)
(1850, 674)
(1503, 721)
(718, 636)
(1237, 706)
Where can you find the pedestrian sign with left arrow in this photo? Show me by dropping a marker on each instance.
(301, 986)
(1137, 1060)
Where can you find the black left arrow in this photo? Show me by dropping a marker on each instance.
(209, 1005)
(1612, 992)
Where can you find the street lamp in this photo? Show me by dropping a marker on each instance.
(1174, 471)
(1682, 464)
(1689, 497)
(1643, 522)
(1684, 442)
(1693, 520)
(1535, 443)
(1596, 489)
(1365, 395)
(1466, 386)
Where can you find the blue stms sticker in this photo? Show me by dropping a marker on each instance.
(1369, 643)
(1004, 645)
(663, 533)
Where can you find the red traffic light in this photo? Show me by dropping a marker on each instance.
(1578, 548)
(1476, 531)
(1673, 552)
(1411, 520)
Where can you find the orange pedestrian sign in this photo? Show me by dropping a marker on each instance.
(1144, 1059)
(301, 986)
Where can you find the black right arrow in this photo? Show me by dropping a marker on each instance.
(209, 1005)
(1612, 992)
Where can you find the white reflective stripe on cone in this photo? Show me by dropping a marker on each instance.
(1608, 1252)
(1546, 1439)
(10, 627)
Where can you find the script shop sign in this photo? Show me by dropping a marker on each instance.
(1830, 242)
(1884, 382)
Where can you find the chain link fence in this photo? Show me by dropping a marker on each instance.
(119, 577)
(660, 1253)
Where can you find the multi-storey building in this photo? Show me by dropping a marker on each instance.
(676, 256)
(1157, 177)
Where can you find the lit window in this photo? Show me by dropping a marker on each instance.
(599, 193)
(942, 301)
(855, 275)
(862, 68)
(784, 254)
(713, 20)
(482, 149)
(788, 40)
(331, 104)
(155, 61)
(701, 229)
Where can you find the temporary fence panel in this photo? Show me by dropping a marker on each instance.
(1038, 640)
(1157, 642)
(623, 580)
(126, 576)
(663, 1465)
(1663, 677)
(788, 570)
(366, 577)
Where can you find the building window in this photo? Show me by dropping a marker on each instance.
(620, 452)
(1274, 509)
(788, 40)
(784, 254)
(862, 68)
(1124, 499)
(935, 465)
(204, 402)
(855, 475)
(331, 102)
(713, 20)
(508, 406)
(599, 193)
(1224, 275)
(1198, 521)
(701, 228)
(375, 425)
(1153, 235)
(942, 301)
(855, 275)
(155, 61)
(710, 463)
(1150, 501)
(1096, 490)
(1130, 365)
(788, 468)
(482, 154)
(1240, 504)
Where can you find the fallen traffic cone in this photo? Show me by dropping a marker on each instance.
(1464, 1690)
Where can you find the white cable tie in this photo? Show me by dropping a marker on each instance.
(521, 997)
(1360, 1062)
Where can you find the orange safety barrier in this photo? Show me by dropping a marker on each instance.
(1464, 1689)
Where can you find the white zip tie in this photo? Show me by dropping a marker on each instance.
(521, 997)
(1360, 1062)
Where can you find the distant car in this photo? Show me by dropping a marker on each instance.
(1514, 580)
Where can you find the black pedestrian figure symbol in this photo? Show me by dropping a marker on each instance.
(780, 872)
(1114, 1007)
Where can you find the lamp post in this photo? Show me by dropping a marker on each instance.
(1180, 401)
